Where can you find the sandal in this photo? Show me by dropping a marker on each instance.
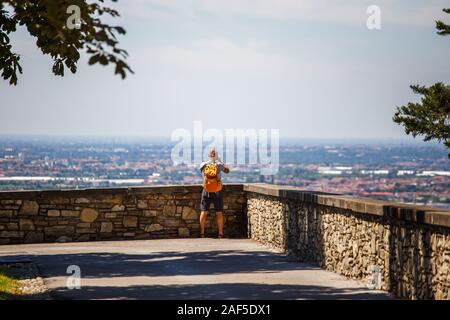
(220, 236)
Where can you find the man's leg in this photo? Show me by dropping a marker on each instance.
(219, 220)
(218, 206)
(203, 216)
(204, 207)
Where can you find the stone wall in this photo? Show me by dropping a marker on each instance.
(113, 214)
(398, 248)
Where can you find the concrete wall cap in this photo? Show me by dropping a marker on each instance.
(409, 212)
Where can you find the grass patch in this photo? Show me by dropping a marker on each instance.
(9, 287)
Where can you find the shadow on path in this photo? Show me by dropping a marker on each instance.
(219, 291)
(98, 265)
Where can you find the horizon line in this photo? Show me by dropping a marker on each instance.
(406, 139)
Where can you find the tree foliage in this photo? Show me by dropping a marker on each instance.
(47, 21)
(443, 28)
(431, 117)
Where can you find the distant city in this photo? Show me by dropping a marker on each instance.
(406, 172)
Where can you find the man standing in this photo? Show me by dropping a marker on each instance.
(212, 190)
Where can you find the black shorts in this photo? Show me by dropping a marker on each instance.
(215, 198)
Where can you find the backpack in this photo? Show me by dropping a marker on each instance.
(211, 181)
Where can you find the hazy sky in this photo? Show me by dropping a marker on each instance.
(306, 67)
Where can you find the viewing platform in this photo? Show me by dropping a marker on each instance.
(280, 239)
(184, 269)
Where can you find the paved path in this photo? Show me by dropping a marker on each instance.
(183, 268)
